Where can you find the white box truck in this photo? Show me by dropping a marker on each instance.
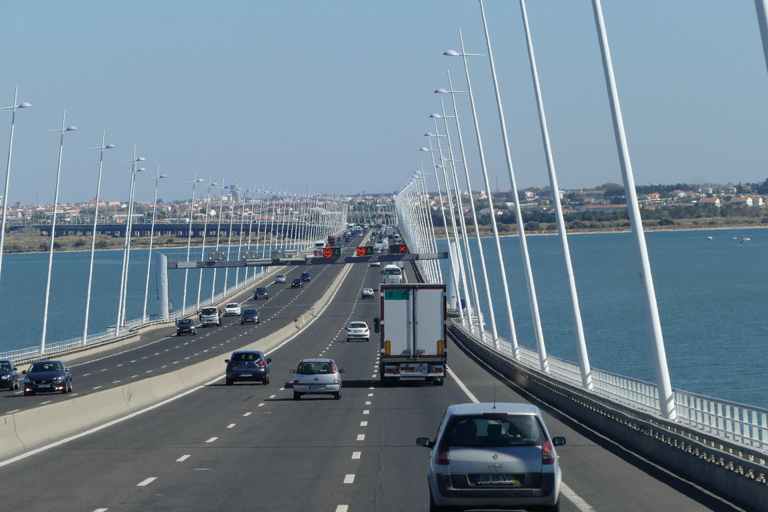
(413, 332)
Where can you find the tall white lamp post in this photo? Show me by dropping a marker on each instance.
(195, 181)
(157, 178)
(8, 169)
(121, 307)
(53, 227)
(93, 234)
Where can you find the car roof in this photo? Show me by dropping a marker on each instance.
(317, 360)
(250, 310)
(247, 352)
(233, 304)
(490, 407)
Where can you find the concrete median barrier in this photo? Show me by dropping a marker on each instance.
(28, 429)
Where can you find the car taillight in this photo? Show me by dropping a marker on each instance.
(547, 453)
(295, 382)
(443, 454)
(232, 364)
(260, 364)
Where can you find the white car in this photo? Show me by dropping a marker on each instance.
(358, 331)
(375, 263)
(317, 376)
(232, 309)
(490, 455)
(280, 278)
(367, 293)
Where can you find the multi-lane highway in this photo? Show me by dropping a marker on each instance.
(252, 447)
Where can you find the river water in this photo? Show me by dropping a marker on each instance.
(712, 296)
(711, 293)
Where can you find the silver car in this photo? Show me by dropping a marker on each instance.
(358, 331)
(317, 376)
(492, 456)
(280, 278)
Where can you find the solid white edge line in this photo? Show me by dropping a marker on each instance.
(159, 404)
(566, 491)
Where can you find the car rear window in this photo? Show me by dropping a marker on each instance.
(246, 357)
(497, 430)
(357, 325)
(249, 312)
(316, 368)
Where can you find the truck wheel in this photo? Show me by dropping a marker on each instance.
(438, 381)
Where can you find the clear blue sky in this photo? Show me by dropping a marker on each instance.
(335, 96)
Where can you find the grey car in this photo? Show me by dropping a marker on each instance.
(489, 455)
(317, 376)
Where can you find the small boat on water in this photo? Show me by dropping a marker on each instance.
(709, 238)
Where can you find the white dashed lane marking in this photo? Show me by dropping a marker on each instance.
(183, 458)
(146, 482)
(349, 479)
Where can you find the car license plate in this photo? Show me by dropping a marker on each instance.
(245, 375)
(43, 385)
(496, 479)
(317, 388)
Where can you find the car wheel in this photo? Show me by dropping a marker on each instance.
(550, 508)
(229, 382)
(337, 395)
(438, 381)
(266, 380)
(296, 395)
(435, 508)
(70, 387)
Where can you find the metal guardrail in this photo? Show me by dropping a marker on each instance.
(62, 348)
(731, 421)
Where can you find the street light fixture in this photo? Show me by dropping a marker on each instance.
(93, 234)
(53, 226)
(8, 169)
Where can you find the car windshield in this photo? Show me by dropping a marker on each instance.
(209, 311)
(297, 279)
(46, 366)
(316, 368)
(249, 312)
(233, 305)
(246, 356)
(261, 289)
(358, 325)
(5, 366)
(495, 430)
(186, 321)
(281, 276)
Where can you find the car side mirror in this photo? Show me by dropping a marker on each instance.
(376, 325)
(291, 371)
(425, 442)
(226, 360)
(558, 441)
(269, 360)
(342, 370)
(24, 372)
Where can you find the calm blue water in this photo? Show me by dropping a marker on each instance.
(24, 276)
(712, 298)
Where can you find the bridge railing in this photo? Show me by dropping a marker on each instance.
(739, 423)
(62, 348)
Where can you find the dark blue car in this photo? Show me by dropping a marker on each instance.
(250, 316)
(9, 376)
(247, 365)
(47, 376)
